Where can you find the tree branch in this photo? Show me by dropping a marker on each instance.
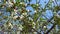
(47, 21)
(51, 27)
(56, 2)
(47, 4)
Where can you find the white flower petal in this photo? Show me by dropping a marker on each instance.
(44, 26)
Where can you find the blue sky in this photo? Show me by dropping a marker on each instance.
(48, 14)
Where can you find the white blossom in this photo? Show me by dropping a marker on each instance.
(37, 4)
(34, 23)
(58, 16)
(15, 11)
(14, 1)
(28, 10)
(35, 32)
(44, 26)
(10, 25)
(21, 16)
(26, 4)
(20, 28)
(35, 11)
(24, 13)
(9, 4)
(15, 17)
(30, 19)
(33, 26)
(21, 2)
(54, 12)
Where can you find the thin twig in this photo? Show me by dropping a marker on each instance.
(50, 28)
(47, 4)
(48, 21)
(56, 2)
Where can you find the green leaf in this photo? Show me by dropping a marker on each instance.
(57, 20)
(17, 0)
(57, 8)
(35, 6)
